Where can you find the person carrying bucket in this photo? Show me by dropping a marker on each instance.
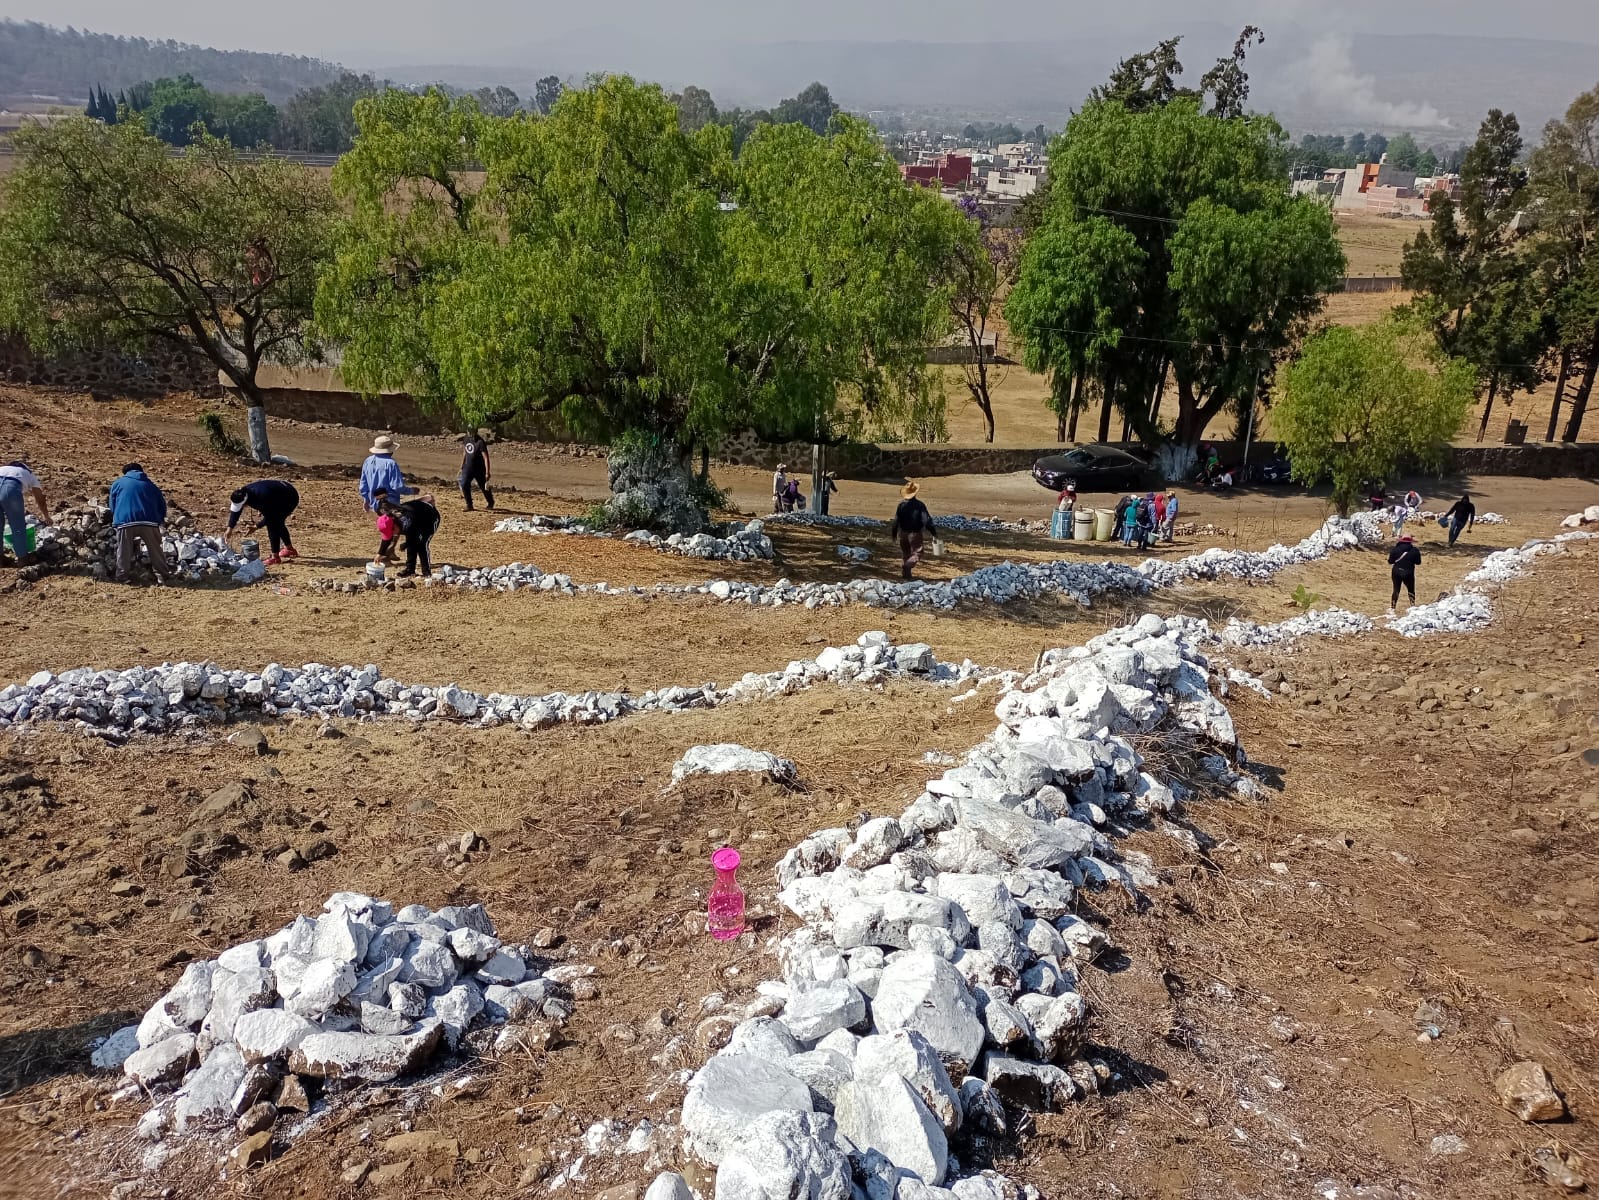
(912, 524)
(16, 483)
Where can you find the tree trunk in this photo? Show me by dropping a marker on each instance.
(1105, 409)
(1560, 391)
(1579, 405)
(1076, 407)
(255, 421)
(1487, 409)
(1160, 390)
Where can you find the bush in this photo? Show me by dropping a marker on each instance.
(216, 433)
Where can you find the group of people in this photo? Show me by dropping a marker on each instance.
(786, 496)
(1141, 520)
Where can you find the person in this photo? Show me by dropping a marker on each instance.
(1144, 521)
(476, 468)
(829, 486)
(16, 484)
(274, 500)
(419, 521)
(1211, 463)
(1402, 561)
(912, 524)
(792, 499)
(1129, 519)
(1379, 498)
(1168, 524)
(388, 531)
(137, 511)
(1412, 500)
(1118, 520)
(779, 486)
(1224, 480)
(381, 472)
(1462, 514)
(1067, 501)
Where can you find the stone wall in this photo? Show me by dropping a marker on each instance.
(160, 370)
(396, 412)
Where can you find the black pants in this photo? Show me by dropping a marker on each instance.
(1406, 580)
(480, 477)
(277, 527)
(386, 548)
(416, 547)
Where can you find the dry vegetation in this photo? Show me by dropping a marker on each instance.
(1428, 836)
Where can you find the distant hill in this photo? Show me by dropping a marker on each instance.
(38, 60)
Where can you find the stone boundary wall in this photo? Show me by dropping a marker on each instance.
(396, 412)
(1372, 283)
(160, 370)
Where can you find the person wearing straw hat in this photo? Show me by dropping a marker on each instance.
(912, 524)
(1403, 560)
(829, 486)
(779, 486)
(380, 473)
(476, 468)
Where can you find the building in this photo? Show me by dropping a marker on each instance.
(1011, 185)
(944, 170)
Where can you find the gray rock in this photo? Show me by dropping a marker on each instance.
(114, 1050)
(1021, 840)
(1041, 1087)
(237, 994)
(814, 1012)
(784, 1155)
(911, 1057)
(668, 1185)
(728, 1093)
(378, 1018)
(823, 1071)
(984, 898)
(1058, 1026)
(457, 1008)
(325, 982)
(926, 994)
(764, 1037)
(502, 967)
(889, 1117)
(730, 758)
(982, 1108)
(875, 842)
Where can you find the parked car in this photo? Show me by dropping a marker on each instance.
(1096, 468)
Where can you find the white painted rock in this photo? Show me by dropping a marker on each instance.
(926, 994)
(206, 1098)
(728, 758)
(115, 1049)
(1021, 840)
(782, 1155)
(911, 1057)
(729, 1092)
(668, 1185)
(887, 1116)
(269, 1033)
(364, 1056)
(161, 1063)
(814, 1012)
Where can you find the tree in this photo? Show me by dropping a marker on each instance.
(983, 265)
(1359, 402)
(497, 101)
(596, 271)
(1403, 153)
(1230, 270)
(1074, 299)
(695, 109)
(1357, 147)
(175, 107)
(107, 239)
(1376, 147)
(246, 121)
(1564, 189)
(546, 92)
(812, 108)
(321, 120)
(1147, 81)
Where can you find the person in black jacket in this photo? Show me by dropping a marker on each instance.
(274, 499)
(1462, 514)
(419, 521)
(1402, 561)
(476, 467)
(912, 524)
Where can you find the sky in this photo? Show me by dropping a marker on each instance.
(379, 32)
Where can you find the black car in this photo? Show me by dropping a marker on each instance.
(1096, 468)
(1275, 470)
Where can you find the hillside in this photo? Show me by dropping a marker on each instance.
(40, 61)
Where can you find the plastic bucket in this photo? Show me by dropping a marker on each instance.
(1060, 524)
(31, 537)
(1083, 526)
(1104, 522)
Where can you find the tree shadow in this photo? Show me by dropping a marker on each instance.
(36, 1055)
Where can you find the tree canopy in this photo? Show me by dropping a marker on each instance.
(1359, 402)
(1205, 268)
(105, 238)
(627, 272)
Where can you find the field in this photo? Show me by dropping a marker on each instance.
(1425, 837)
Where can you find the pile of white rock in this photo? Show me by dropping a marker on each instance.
(854, 553)
(176, 696)
(360, 993)
(84, 536)
(948, 523)
(742, 544)
(934, 984)
(1587, 516)
(1339, 533)
(729, 758)
(541, 525)
(1324, 622)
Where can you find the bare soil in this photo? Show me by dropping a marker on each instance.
(1427, 835)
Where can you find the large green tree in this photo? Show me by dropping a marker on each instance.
(1360, 402)
(1230, 268)
(106, 238)
(627, 273)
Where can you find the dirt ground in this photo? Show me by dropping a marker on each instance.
(1427, 835)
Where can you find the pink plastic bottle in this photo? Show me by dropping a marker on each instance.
(724, 910)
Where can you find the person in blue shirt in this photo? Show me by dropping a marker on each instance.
(137, 510)
(380, 473)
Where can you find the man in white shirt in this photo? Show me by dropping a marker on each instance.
(16, 482)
